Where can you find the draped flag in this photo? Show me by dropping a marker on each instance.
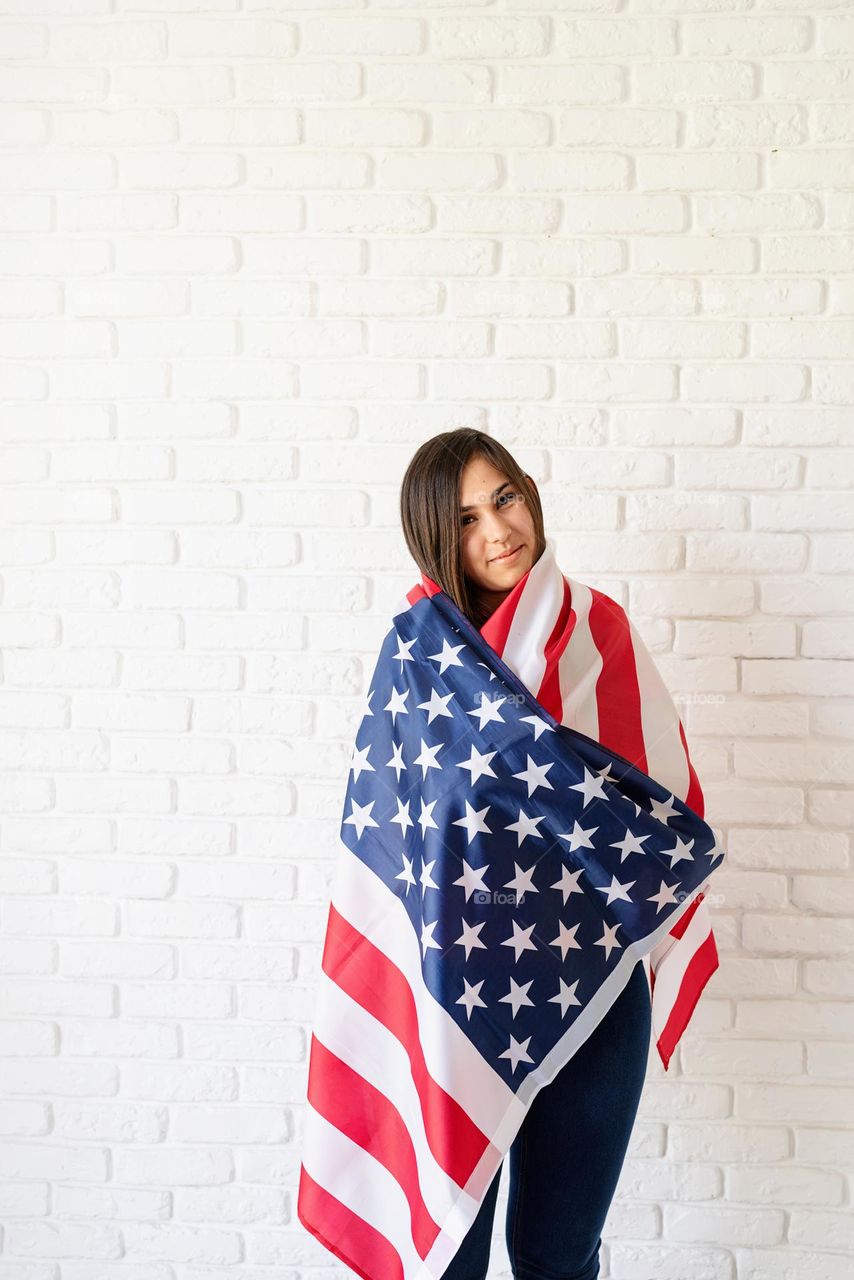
(522, 825)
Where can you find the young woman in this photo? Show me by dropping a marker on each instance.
(473, 523)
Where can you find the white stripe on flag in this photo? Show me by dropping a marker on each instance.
(580, 667)
(533, 622)
(362, 1183)
(665, 755)
(671, 968)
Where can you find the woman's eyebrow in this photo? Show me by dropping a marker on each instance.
(494, 494)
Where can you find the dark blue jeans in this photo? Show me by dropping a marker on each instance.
(566, 1159)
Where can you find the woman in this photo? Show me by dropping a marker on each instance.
(522, 826)
(565, 1161)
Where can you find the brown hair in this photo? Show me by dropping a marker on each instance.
(430, 509)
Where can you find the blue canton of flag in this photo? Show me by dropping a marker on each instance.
(528, 857)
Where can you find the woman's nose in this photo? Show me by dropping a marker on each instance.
(498, 525)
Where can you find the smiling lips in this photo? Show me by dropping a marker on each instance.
(510, 553)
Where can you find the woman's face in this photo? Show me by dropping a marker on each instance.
(495, 522)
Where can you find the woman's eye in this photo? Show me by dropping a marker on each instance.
(499, 499)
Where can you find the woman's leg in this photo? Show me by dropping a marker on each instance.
(471, 1262)
(566, 1159)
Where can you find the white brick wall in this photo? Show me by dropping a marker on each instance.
(251, 256)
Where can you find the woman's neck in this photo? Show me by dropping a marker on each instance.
(486, 602)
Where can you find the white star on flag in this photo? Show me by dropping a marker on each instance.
(566, 996)
(360, 817)
(665, 894)
(359, 761)
(427, 881)
(568, 882)
(437, 706)
(629, 844)
(516, 996)
(474, 822)
(566, 939)
(535, 776)
(426, 818)
(521, 939)
(578, 838)
(538, 724)
(608, 939)
(524, 826)
(518, 1052)
(403, 654)
(663, 809)
(470, 937)
(448, 656)
(522, 882)
(478, 765)
(402, 817)
(472, 878)
(592, 788)
(679, 853)
(616, 890)
(487, 711)
(395, 703)
(396, 761)
(427, 939)
(427, 758)
(406, 874)
(471, 997)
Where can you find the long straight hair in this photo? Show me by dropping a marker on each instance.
(430, 509)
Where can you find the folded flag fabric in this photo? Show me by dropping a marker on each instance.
(522, 825)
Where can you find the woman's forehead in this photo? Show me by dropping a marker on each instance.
(479, 485)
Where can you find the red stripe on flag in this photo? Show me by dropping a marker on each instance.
(359, 1245)
(618, 696)
(496, 629)
(549, 693)
(694, 796)
(353, 1105)
(702, 965)
(685, 919)
(368, 976)
(422, 590)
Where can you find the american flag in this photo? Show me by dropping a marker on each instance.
(502, 870)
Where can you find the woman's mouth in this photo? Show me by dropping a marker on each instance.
(509, 557)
